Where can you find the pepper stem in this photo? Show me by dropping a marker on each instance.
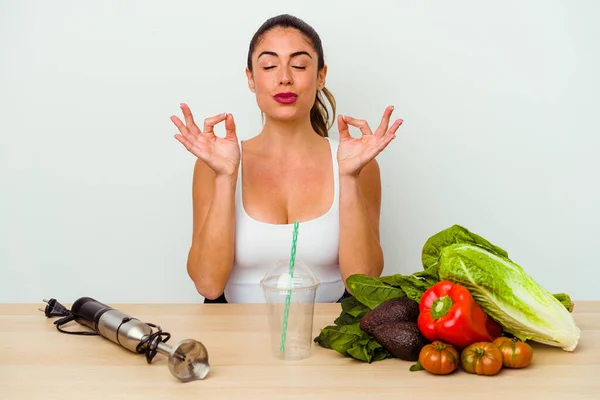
(440, 307)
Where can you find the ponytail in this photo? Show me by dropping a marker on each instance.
(319, 114)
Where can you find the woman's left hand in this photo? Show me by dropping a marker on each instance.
(354, 154)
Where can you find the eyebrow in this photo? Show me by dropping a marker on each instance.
(272, 53)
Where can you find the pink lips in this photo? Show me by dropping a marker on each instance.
(286, 97)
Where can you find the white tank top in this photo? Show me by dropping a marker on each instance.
(259, 245)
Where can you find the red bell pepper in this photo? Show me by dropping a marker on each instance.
(448, 312)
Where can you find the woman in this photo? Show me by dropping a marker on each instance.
(247, 196)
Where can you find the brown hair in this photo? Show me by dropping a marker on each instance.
(319, 114)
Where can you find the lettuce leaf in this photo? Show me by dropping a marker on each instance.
(509, 296)
(455, 234)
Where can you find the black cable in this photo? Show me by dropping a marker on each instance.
(147, 346)
(151, 342)
(55, 309)
(68, 319)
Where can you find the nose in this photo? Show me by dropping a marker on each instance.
(285, 76)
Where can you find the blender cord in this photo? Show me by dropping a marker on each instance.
(148, 345)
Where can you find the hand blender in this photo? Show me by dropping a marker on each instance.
(188, 360)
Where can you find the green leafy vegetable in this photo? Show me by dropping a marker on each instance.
(371, 291)
(345, 336)
(565, 300)
(411, 285)
(416, 367)
(500, 287)
(355, 308)
(351, 341)
(454, 235)
(352, 312)
(509, 296)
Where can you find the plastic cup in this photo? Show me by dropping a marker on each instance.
(297, 335)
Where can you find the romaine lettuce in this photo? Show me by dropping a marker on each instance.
(508, 295)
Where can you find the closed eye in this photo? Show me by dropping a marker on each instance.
(266, 68)
(297, 67)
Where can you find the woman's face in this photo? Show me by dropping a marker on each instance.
(285, 74)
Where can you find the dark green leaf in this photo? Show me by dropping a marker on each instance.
(355, 308)
(371, 291)
(413, 286)
(351, 341)
(346, 319)
(389, 280)
(340, 338)
(416, 367)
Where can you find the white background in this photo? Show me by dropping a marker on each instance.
(500, 135)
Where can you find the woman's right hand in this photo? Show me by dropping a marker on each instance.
(220, 154)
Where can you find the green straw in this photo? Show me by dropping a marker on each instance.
(289, 293)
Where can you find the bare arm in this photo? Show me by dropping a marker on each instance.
(211, 254)
(210, 258)
(360, 199)
(360, 194)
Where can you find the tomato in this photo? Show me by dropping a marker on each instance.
(439, 358)
(482, 358)
(515, 353)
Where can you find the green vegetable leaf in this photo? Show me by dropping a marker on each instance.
(431, 275)
(455, 234)
(346, 319)
(372, 291)
(411, 285)
(509, 296)
(351, 341)
(416, 367)
(565, 300)
(339, 338)
(355, 308)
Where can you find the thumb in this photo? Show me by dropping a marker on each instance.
(230, 133)
(343, 128)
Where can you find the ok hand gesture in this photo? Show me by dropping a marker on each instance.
(354, 154)
(220, 154)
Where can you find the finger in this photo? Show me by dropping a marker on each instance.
(382, 143)
(184, 141)
(385, 121)
(230, 132)
(385, 140)
(360, 124)
(343, 128)
(394, 127)
(209, 123)
(182, 128)
(189, 119)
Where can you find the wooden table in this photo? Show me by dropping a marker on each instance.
(38, 362)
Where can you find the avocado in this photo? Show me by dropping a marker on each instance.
(399, 309)
(402, 339)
